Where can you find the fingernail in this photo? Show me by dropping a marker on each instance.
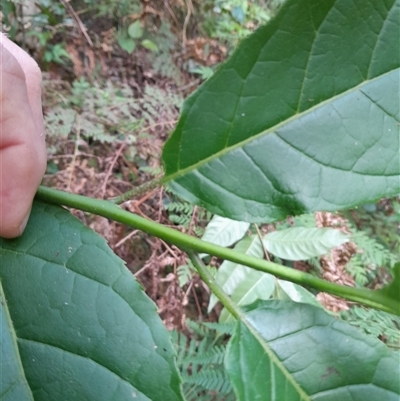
(24, 223)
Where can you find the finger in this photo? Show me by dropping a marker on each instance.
(22, 150)
(33, 77)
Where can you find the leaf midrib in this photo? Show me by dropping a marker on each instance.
(14, 337)
(22, 339)
(91, 279)
(271, 130)
(274, 359)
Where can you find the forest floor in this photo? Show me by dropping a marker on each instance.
(113, 87)
(108, 113)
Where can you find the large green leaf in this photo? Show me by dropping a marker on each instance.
(300, 243)
(289, 351)
(75, 325)
(304, 116)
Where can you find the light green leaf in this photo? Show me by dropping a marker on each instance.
(299, 243)
(242, 283)
(256, 285)
(135, 30)
(149, 44)
(298, 352)
(224, 232)
(125, 42)
(75, 323)
(304, 116)
(285, 291)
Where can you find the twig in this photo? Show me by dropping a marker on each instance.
(262, 243)
(206, 276)
(110, 169)
(149, 127)
(76, 150)
(140, 190)
(197, 303)
(78, 21)
(376, 299)
(190, 10)
(123, 240)
(147, 196)
(192, 218)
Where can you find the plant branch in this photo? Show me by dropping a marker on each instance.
(186, 242)
(207, 277)
(140, 190)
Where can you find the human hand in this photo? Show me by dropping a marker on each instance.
(22, 145)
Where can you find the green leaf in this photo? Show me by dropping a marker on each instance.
(286, 290)
(307, 354)
(149, 44)
(224, 232)
(392, 291)
(125, 42)
(242, 283)
(304, 116)
(75, 323)
(299, 243)
(135, 30)
(13, 385)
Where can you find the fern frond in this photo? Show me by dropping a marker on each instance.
(375, 323)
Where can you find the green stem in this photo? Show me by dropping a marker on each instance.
(140, 190)
(109, 210)
(207, 277)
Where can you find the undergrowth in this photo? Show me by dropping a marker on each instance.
(200, 359)
(111, 112)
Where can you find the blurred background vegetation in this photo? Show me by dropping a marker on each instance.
(115, 74)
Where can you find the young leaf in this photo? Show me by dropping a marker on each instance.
(304, 116)
(135, 30)
(307, 355)
(285, 290)
(224, 232)
(76, 325)
(150, 45)
(299, 243)
(125, 42)
(244, 284)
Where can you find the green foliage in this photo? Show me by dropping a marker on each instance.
(292, 123)
(311, 105)
(76, 324)
(376, 234)
(233, 20)
(200, 361)
(10, 21)
(110, 112)
(115, 9)
(364, 266)
(280, 352)
(185, 214)
(186, 272)
(300, 243)
(376, 323)
(49, 20)
(130, 36)
(224, 232)
(162, 60)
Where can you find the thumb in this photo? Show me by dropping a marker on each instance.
(22, 147)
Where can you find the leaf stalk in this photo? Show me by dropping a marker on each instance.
(188, 243)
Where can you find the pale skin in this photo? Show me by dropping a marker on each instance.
(22, 144)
